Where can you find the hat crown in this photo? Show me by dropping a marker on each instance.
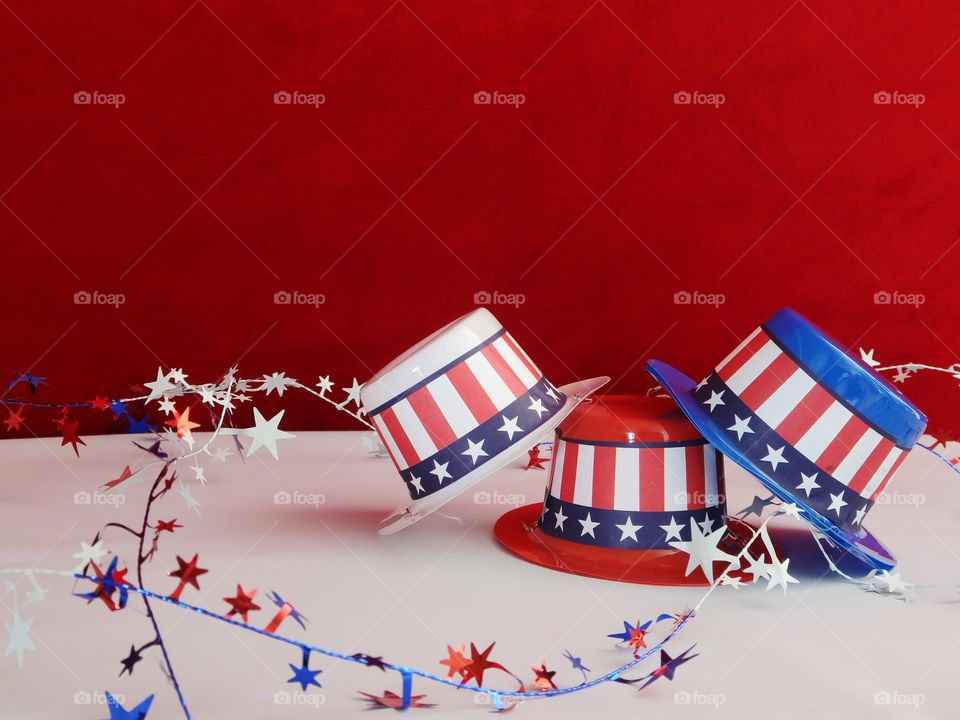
(429, 356)
(847, 377)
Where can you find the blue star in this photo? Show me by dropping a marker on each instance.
(138, 426)
(119, 408)
(118, 712)
(106, 585)
(294, 613)
(32, 381)
(303, 675)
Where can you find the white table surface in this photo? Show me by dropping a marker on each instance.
(826, 649)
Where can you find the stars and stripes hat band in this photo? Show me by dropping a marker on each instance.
(629, 475)
(813, 423)
(459, 405)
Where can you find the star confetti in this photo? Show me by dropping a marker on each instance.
(544, 679)
(633, 635)
(278, 382)
(167, 525)
(536, 461)
(107, 583)
(393, 701)
(20, 642)
(69, 430)
(32, 381)
(14, 419)
(668, 666)
(371, 661)
(130, 660)
(183, 425)
(242, 603)
(187, 573)
(479, 663)
(266, 433)
(125, 475)
(89, 553)
(702, 550)
(303, 675)
(577, 664)
(118, 712)
(456, 662)
(286, 610)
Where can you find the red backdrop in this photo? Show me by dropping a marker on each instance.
(399, 198)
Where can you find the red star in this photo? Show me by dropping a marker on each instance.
(188, 572)
(69, 430)
(125, 475)
(456, 662)
(544, 679)
(167, 483)
(183, 424)
(394, 701)
(100, 403)
(637, 641)
(14, 419)
(242, 603)
(479, 663)
(168, 525)
(535, 461)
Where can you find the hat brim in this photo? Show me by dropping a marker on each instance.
(519, 532)
(416, 510)
(862, 545)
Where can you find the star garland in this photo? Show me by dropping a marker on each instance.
(172, 445)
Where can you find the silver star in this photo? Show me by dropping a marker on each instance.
(353, 394)
(325, 384)
(20, 640)
(702, 550)
(266, 433)
(777, 575)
